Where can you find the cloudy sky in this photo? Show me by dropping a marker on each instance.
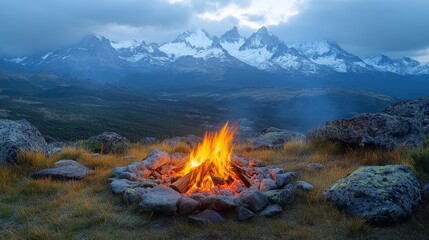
(394, 27)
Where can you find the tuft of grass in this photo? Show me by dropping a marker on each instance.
(297, 148)
(34, 160)
(356, 226)
(37, 187)
(71, 153)
(420, 160)
(9, 176)
(179, 147)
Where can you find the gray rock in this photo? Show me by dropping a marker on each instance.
(380, 194)
(274, 138)
(54, 150)
(271, 210)
(303, 185)
(117, 171)
(133, 195)
(206, 217)
(369, 129)
(283, 178)
(244, 213)
(128, 175)
(189, 139)
(16, 137)
(121, 185)
(417, 109)
(218, 202)
(156, 159)
(148, 140)
(316, 166)
(188, 205)
(425, 191)
(109, 142)
(252, 199)
(64, 169)
(281, 196)
(267, 184)
(160, 199)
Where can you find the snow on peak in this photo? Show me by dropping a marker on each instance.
(125, 44)
(196, 38)
(231, 35)
(260, 39)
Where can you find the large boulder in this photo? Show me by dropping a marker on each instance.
(189, 139)
(417, 109)
(274, 138)
(380, 194)
(109, 142)
(18, 136)
(161, 199)
(206, 217)
(372, 129)
(64, 169)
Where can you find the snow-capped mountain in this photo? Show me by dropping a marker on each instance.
(196, 51)
(330, 54)
(403, 66)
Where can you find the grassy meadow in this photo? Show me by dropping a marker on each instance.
(86, 209)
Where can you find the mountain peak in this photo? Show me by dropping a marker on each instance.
(195, 38)
(231, 35)
(261, 38)
(263, 30)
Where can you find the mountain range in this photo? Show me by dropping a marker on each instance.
(197, 52)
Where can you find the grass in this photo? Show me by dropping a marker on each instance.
(51, 209)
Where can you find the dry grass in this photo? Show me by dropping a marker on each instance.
(50, 209)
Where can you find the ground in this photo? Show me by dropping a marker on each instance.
(51, 209)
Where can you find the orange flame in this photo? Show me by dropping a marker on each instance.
(215, 153)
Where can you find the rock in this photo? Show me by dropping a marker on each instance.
(128, 175)
(148, 140)
(121, 185)
(425, 191)
(218, 202)
(283, 178)
(274, 138)
(417, 109)
(244, 213)
(303, 185)
(132, 195)
(160, 199)
(156, 159)
(117, 171)
(252, 199)
(189, 139)
(188, 205)
(16, 137)
(271, 210)
(380, 194)
(54, 150)
(206, 217)
(281, 196)
(109, 142)
(256, 163)
(316, 166)
(267, 184)
(64, 169)
(369, 129)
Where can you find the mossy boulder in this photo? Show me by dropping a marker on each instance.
(108, 142)
(380, 194)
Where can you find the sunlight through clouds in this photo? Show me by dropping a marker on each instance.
(258, 13)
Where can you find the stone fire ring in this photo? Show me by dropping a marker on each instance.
(148, 184)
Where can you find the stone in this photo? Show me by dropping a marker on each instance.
(256, 163)
(283, 178)
(316, 166)
(54, 150)
(267, 184)
(189, 139)
(303, 185)
(109, 142)
(218, 202)
(160, 199)
(18, 136)
(281, 196)
(121, 185)
(244, 213)
(188, 205)
(380, 194)
(206, 217)
(271, 210)
(274, 138)
(133, 195)
(156, 159)
(128, 175)
(252, 199)
(372, 129)
(425, 191)
(148, 140)
(64, 169)
(117, 171)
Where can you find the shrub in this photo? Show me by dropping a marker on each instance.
(420, 160)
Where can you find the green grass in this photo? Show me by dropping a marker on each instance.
(51, 209)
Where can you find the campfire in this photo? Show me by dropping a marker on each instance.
(209, 167)
(210, 178)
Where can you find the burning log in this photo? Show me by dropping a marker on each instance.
(195, 176)
(241, 174)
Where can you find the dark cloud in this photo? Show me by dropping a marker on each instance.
(28, 26)
(363, 25)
